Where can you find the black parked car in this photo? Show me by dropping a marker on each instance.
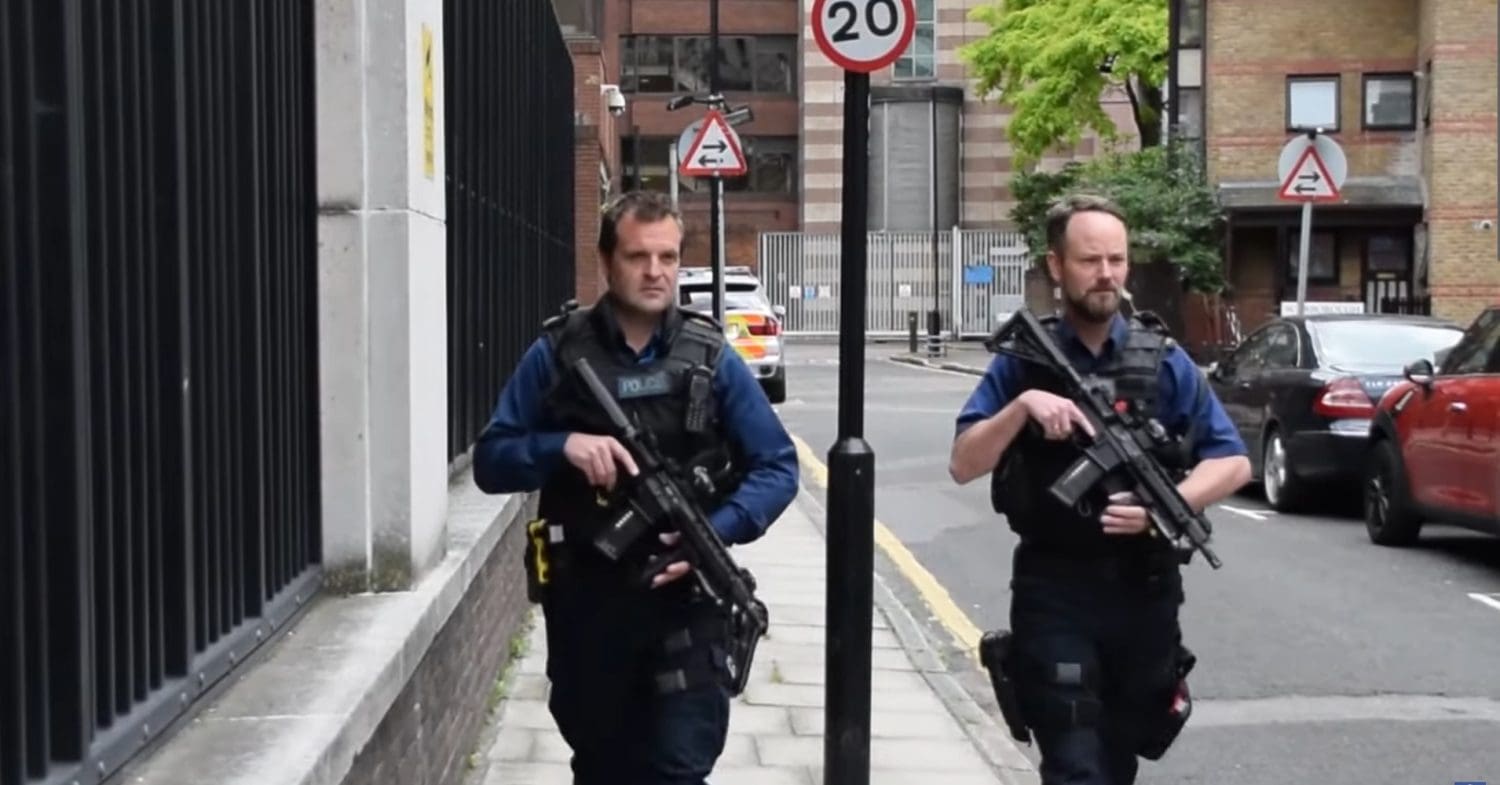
(1302, 391)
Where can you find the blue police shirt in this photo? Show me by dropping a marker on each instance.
(1178, 401)
(519, 448)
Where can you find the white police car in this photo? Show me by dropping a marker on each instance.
(751, 322)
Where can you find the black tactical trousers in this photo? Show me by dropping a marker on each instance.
(1095, 645)
(637, 680)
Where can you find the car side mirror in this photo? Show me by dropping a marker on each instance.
(1212, 370)
(1419, 372)
(779, 310)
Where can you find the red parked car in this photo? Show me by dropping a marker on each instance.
(1435, 442)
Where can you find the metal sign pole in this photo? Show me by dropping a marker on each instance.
(860, 42)
(673, 174)
(851, 476)
(1302, 262)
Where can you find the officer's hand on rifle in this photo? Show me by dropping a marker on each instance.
(1056, 415)
(672, 571)
(596, 457)
(1124, 515)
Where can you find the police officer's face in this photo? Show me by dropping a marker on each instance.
(643, 269)
(1094, 265)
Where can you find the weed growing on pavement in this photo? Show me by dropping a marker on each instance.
(519, 645)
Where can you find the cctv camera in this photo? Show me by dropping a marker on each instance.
(1486, 225)
(614, 99)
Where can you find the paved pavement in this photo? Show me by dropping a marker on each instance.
(776, 725)
(1322, 658)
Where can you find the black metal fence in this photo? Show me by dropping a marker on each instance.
(1412, 306)
(159, 457)
(509, 95)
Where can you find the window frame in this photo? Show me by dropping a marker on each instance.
(1197, 132)
(1410, 124)
(1273, 331)
(1338, 100)
(1289, 257)
(909, 58)
(1403, 239)
(1191, 28)
(630, 78)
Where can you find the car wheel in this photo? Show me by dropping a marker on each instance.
(1282, 487)
(1389, 518)
(775, 387)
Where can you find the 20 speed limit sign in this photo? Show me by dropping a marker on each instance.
(863, 35)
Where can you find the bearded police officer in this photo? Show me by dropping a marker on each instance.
(638, 672)
(1095, 642)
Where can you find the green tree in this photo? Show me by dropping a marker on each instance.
(1052, 60)
(1172, 212)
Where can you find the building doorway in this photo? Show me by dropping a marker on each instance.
(1388, 281)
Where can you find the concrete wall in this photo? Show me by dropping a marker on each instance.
(382, 293)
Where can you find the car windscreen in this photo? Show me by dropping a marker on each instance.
(1375, 345)
(737, 297)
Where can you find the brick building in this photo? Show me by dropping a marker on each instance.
(1408, 89)
(771, 63)
(664, 52)
(587, 27)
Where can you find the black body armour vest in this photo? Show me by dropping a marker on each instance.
(670, 397)
(1018, 485)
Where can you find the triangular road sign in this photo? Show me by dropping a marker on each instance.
(1309, 180)
(715, 150)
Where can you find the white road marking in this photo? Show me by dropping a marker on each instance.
(1212, 713)
(933, 368)
(1258, 515)
(1492, 600)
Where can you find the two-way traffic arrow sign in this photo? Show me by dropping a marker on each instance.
(1309, 180)
(714, 151)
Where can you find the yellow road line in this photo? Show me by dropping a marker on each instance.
(958, 624)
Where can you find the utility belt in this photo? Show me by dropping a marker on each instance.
(689, 655)
(1142, 565)
(558, 552)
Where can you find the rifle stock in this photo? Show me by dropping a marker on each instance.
(1118, 458)
(656, 501)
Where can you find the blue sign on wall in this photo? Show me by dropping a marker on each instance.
(978, 274)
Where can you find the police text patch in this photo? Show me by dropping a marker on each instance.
(643, 385)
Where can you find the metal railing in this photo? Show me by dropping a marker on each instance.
(978, 275)
(1414, 305)
(509, 96)
(159, 487)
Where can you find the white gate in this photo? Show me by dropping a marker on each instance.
(908, 272)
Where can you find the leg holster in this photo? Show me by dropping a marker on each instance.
(995, 655)
(1058, 695)
(1174, 707)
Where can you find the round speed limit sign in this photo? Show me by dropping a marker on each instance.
(863, 35)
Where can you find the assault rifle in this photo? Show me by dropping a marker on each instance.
(1119, 457)
(656, 501)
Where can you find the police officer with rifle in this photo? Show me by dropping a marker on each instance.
(654, 448)
(1107, 499)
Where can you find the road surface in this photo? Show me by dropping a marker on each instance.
(1322, 658)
